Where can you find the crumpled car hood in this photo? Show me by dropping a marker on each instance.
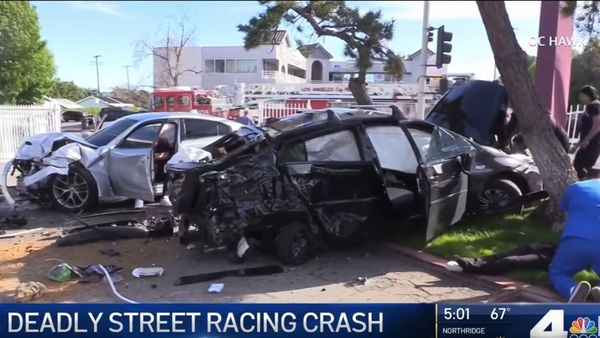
(40, 146)
(513, 160)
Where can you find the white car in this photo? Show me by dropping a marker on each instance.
(124, 160)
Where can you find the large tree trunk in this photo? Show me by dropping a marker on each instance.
(358, 88)
(534, 120)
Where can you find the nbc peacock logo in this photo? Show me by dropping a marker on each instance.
(583, 327)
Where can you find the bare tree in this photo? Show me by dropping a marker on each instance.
(168, 51)
(535, 125)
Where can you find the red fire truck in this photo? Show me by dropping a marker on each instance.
(188, 99)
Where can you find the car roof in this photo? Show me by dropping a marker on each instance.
(175, 115)
(321, 118)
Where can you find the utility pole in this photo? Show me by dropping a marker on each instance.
(127, 70)
(97, 73)
(424, 55)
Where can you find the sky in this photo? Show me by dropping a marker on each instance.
(77, 30)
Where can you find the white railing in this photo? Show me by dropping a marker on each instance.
(279, 109)
(573, 121)
(387, 90)
(20, 122)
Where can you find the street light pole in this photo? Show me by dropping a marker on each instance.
(97, 73)
(424, 54)
(127, 70)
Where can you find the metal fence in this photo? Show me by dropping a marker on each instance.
(573, 122)
(20, 122)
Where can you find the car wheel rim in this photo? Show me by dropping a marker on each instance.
(299, 244)
(493, 198)
(71, 191)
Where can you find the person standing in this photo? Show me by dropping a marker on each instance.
(246, 120)
(588, 148)
(578, 247)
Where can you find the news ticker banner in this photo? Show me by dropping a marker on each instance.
(300, 320)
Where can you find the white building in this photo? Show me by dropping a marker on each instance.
(274, 61)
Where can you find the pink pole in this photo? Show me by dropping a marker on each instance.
(553, 65)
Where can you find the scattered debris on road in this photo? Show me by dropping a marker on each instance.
(29, 291)
(216, 288)
(244, 272)
(148, 272)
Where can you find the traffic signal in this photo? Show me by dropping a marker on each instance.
(430, 34)
(444, 47)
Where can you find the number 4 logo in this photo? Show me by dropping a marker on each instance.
(555, 319)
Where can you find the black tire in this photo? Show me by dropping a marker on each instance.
(498, 193)
(83, 182)
(293, 244)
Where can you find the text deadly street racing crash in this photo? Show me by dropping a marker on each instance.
(124, 160)
(331, 176)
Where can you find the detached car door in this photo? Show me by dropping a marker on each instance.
(443, 174)
(341, 189)
(131, 164)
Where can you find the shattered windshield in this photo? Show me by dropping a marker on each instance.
(105, 135)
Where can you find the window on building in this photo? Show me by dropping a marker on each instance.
(252, 66)
(219, 66)
(337, 77)
(209, 66)
(246, 66)
(229, 66)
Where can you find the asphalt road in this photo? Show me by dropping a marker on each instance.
(325, 279)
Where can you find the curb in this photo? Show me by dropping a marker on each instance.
(515, 288)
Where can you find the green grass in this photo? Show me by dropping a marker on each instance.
(482, 236)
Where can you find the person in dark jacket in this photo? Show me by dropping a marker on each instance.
(588, 148)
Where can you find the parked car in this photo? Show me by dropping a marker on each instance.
(74, 115)
(124, 160)
(112, 114)
(328, 176)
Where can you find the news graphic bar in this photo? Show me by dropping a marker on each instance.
(217, 320)
(517, 320)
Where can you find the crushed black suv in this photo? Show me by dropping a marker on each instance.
(332, 176)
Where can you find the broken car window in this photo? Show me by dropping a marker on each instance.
(422, 140)
(340, 146)
(142, 137)
(294, 152)
(393, 148)
(445, 144)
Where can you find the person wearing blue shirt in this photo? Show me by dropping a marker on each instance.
(246, 120)
(579, 245)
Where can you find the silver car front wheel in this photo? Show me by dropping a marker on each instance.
(74, 192)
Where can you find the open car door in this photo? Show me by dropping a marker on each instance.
(131, 164)
(443, 176)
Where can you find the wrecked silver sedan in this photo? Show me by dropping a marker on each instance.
(125, 160)
(333, 176)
